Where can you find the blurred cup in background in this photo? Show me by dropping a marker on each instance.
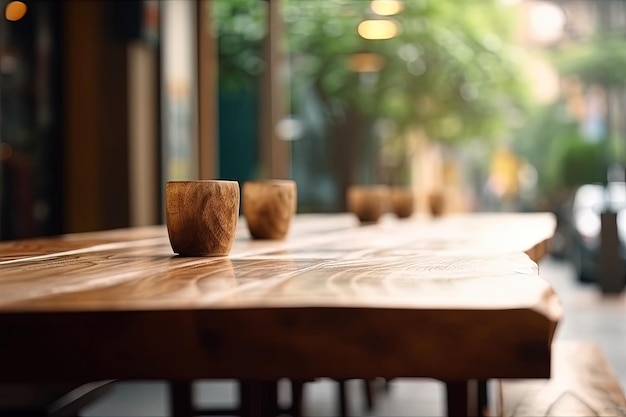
(269, 206)
(402, 201)
(368, 202)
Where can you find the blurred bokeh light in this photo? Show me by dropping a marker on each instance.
(366, 62)
(378, 29)
(15, 10)
(387, 7)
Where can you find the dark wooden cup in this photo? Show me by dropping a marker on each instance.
(402, 201)
(201, 216)
(368, 202)
(436, 203)
(269, 207)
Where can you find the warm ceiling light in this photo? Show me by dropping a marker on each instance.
(547, 21)
(366, 62)
(378, 29)
(387, 7)
(15, 10)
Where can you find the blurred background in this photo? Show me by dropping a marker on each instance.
(499, 105)
(496, 105)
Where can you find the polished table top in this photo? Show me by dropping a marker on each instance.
(453, 298)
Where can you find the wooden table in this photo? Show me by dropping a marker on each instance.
(456, 299)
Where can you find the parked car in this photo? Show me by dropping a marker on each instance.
(583, 237)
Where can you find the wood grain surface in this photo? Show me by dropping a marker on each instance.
(454, 298)
(582, 384)
(201, 216)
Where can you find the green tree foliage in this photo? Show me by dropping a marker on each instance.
(450, 71)
(239, 26)
(551, 141)
(600, 60)
(583, 163)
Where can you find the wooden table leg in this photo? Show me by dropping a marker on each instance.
(245, 398)
(369, 390)
(467, 398)
(482, 397)
(343, 398)
(297, 398)
(181, 399)
(457, 398)
(258, 398)
(269, 398)
(251, 399)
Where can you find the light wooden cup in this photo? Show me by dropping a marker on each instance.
(402, 201)
(201, 216)
(269, 206)
(368, 202)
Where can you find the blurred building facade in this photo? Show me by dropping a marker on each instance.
(30, 125)
(80, 113)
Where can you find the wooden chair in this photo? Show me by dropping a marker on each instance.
(370, 390)
(255, 398)
(48, 400)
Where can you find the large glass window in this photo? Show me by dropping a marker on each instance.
(486, 101)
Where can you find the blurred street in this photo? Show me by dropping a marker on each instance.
(588, 315)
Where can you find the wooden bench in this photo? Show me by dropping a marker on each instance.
(582, 384)
(49, 400)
